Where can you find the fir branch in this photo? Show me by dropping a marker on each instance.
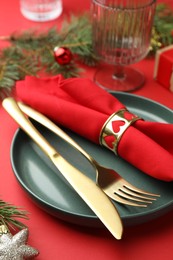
(14, 65)
(9, 215)
(32, 53)
(80, 41)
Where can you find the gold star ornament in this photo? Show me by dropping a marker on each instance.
(14, 247)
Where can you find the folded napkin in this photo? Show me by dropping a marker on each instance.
(82, 106)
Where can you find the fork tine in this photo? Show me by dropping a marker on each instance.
(136, 194)
(131, 197)
(125, 201)
(139, 191)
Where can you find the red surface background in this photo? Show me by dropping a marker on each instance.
(52, 237)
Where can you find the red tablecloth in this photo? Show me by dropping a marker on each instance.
(59, 240)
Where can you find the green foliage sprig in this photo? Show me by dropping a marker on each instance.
(9, 216)
(31, 53)
(162, 33)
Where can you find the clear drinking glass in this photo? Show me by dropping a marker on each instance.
(121, 36)
(41, 10)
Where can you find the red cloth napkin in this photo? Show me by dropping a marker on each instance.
(83, 107)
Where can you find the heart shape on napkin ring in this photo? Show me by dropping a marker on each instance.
(114, 128)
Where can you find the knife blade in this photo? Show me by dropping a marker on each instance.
(87, 189)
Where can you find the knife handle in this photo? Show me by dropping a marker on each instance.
(37, 116)
(11, 106)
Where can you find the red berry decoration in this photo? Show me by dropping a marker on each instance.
(63, 55)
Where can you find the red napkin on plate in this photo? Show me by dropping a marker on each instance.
(83, 107)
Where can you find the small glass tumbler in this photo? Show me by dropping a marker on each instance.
(121, 36)
(41, 10)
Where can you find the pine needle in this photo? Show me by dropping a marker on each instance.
(10, 214)
(32, 53)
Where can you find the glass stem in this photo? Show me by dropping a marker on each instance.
(119, 73)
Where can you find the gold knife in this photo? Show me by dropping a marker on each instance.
(94, 197)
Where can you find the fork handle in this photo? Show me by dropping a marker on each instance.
(54, 128)
(11, 106)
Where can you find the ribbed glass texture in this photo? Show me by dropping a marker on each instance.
(122, 29)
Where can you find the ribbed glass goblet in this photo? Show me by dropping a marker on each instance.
(121, 36)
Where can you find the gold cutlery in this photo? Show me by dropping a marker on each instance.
(89, 191)
(109, 181)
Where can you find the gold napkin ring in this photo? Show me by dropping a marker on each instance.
(114, 128)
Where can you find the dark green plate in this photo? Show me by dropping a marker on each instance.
(48, 189)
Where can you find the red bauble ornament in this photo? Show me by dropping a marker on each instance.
(62, 55)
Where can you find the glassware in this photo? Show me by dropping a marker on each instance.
(121, 36)
(41, 10)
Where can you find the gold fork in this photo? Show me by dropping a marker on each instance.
(107, 179)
